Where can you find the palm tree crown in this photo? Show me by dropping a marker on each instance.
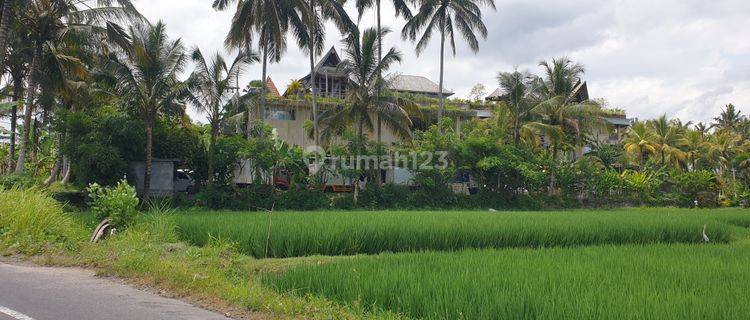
(444, 17)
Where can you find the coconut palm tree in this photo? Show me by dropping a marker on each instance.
(210, 88)
(519, 88)
(48, 22)
(145, 73)
(561, 75)
(6, 15)
(269, 20)
(443, 17)
(730, 119)
(639, 142)
(695, 147)
(307, 26)
(402, 9)
(364, 100)
(669, 140)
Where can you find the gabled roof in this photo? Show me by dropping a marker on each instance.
(271, 88)
(580, 92)
(416, 84)
(328, 65)
(496, 95)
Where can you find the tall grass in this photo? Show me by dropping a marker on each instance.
(32, 222)
(625, 282)
(294, 234)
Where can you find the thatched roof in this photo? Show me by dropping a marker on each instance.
(416, 84)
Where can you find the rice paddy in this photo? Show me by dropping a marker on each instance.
(584, 264)
(297, 234)
(605, 282)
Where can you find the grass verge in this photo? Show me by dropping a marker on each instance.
(148, 253)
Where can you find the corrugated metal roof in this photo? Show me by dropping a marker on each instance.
(416, 84)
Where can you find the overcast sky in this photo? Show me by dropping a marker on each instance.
(683, 58)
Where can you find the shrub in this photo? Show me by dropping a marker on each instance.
(17, 181)
(695, 186)
(303, 199)
(118, 204)
(32, 222)
(388, 196)
(252, 197)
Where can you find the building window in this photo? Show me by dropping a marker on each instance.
(280, 114)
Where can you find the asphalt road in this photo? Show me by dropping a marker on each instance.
(37, 293)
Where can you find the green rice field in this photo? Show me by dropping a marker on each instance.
(603, 282)
(583, 264)
(296, 234)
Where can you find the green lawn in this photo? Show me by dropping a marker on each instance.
(295, 234)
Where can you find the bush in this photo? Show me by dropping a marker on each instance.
(17, 181)
(118, 204)
(32, 222)
(695, 186)
(304, 200)
(249, 198)
(388, 196)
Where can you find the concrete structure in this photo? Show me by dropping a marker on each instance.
(163, 177)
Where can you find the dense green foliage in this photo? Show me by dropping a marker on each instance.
(628, 282)
(119, 204)
(294, 234)
(31, 222)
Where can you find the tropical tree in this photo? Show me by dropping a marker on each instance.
(519, 88)
(668, 140)
(402, 9)
(561, 75)
(210, 88)
(639, 142)
(145, 72)
(696, 146)
(269, 19)
(730, 119)
(48, 22)
(6, 15)
(443, 17)
(308, 28)
(364, 100)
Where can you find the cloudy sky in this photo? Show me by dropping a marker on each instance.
(683, 58)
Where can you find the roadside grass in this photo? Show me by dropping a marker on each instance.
(31, 223)
(149, 253)
(214, 276)
(297, 234)
(607, 282)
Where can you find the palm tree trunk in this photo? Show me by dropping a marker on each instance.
(441, 102)
(17, 95)
(263, 87)
(211, 148)
(312, 76)
(4, 30)
(58, 162)
(380, 72)
(68, 171)
(149, 159)
(380, 78)
(30, 96)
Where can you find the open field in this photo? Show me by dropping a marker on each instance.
(607, 282)
(295, 234)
